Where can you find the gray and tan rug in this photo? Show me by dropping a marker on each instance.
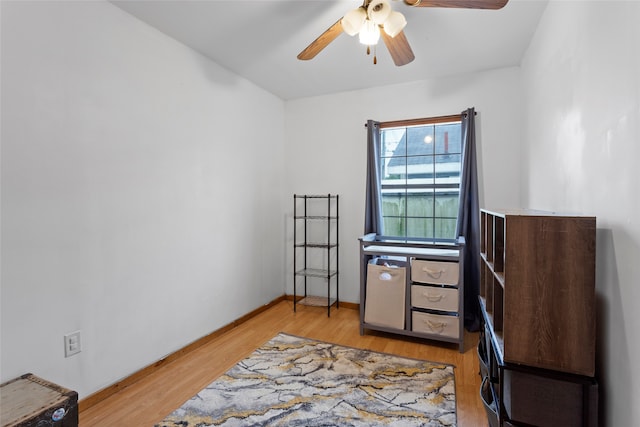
(293, 381)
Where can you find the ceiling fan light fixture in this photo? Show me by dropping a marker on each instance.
(375, 14)
(394, 24)
(378, 11)
(353, 21)
(370, 33)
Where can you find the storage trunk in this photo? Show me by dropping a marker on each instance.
(29, 401)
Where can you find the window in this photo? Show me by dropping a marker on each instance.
(420, 177)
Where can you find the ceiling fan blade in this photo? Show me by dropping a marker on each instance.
(464, 4)
(398, 48)
(322, 41)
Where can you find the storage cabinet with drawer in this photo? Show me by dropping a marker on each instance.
(431, 305)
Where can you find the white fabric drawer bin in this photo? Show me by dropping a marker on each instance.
(447, 326)
(385, 298)
(434, 298)
(436, 272)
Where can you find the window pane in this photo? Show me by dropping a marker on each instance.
(393, 142)
(447, 205)
(420, 141)
(420, 204)
(420, 227)
(448, 169)
(445, 228)
(393, 226)
(393, 165)
(393, 213)
(447, 139)
(393, 171)
(420, 170)
(393, 203)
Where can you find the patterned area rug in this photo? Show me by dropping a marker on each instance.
(293, 381)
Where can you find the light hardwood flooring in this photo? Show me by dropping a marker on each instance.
(150, 399)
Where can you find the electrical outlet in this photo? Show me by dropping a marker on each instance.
(72, 344)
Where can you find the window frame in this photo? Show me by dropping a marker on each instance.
(454, 118)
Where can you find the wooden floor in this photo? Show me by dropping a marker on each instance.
(149, 400)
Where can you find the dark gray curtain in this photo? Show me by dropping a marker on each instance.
(469, 221)
(373, 210)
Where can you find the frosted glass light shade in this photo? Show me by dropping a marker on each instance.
(378, 11)
(353, 20)
(370, 33)
(394, 23)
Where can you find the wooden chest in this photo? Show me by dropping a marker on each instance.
(30, 401)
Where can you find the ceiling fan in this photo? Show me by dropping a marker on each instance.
(375, 19)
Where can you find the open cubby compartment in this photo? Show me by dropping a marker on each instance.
(489, 238)
(498, 306)
(487, 288)
(495, 304)
(483, 280)
(492, 235)
(498, 244)
(492, 292)
(483, 233)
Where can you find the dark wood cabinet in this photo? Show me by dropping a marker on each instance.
(537, 297)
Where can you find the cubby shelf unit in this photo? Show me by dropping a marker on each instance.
(537, 297)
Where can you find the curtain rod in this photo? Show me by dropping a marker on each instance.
(424, 121)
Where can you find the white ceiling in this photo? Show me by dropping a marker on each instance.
(260, 39)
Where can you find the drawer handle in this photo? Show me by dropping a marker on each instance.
(436, 274)
(434, 297)
(437, 327)
(388, 275)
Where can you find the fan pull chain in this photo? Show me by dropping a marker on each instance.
(375, 58)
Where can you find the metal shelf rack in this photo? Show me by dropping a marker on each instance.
(315, 248)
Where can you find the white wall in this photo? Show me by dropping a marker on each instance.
(133, 193)
(326, 147)
(581, 77)
(142, 191)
